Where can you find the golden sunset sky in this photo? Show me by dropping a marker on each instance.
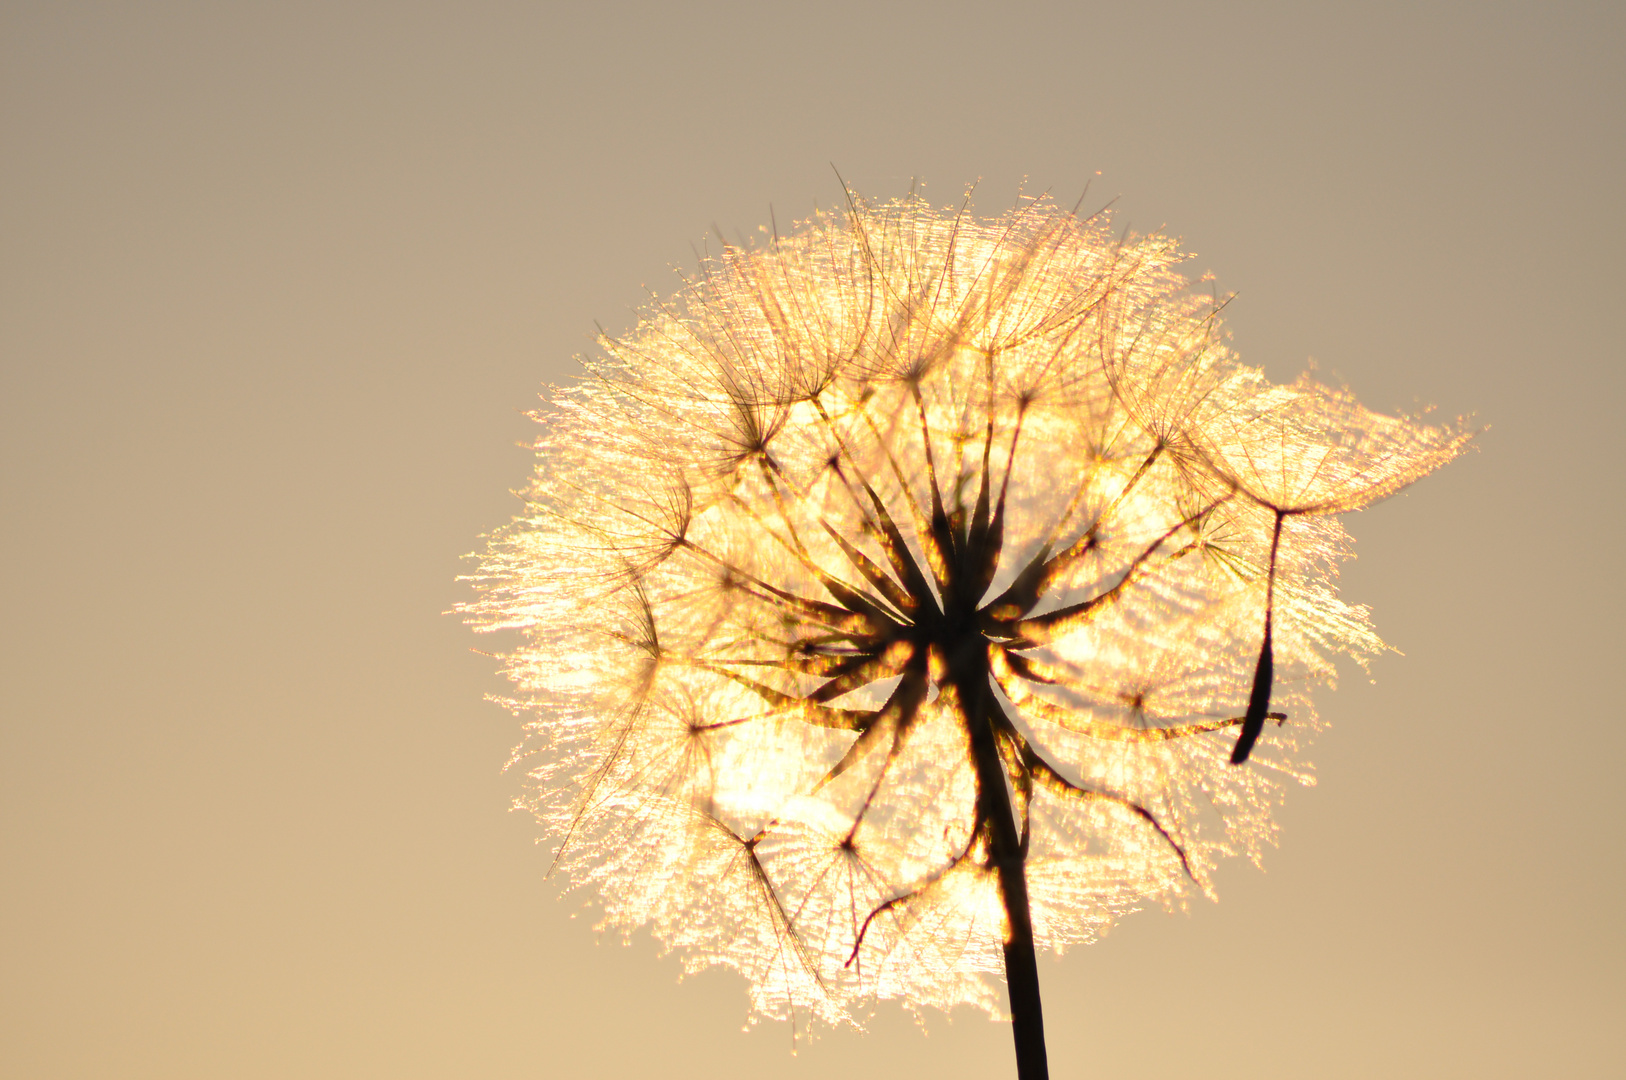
(279, 281)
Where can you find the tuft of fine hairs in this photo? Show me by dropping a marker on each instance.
(911, 555)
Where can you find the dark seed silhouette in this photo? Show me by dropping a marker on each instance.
(1253, 721)
(1264, 673)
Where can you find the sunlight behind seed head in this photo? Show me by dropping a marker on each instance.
(899, 509)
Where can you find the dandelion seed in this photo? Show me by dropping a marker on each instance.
(893, 600)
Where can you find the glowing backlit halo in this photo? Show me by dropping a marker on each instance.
(894, 594)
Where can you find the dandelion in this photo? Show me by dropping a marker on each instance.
(915, 592)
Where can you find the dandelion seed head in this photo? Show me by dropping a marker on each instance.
(902, 507)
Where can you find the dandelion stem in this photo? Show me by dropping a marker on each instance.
(969, 676)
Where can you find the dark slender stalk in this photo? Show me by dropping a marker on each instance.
(1022, 973)
(971, 681)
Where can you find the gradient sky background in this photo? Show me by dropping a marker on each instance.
(280, 280)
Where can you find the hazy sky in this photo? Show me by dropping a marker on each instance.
(280, 280)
